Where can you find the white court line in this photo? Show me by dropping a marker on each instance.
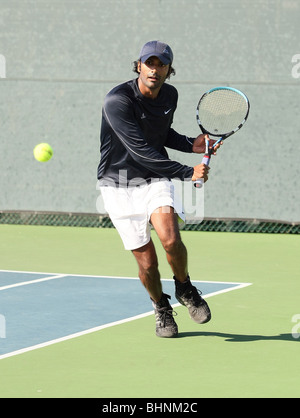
(95, 329)
(44, 279)
(111, 324)
(75, 335)
(108, 277)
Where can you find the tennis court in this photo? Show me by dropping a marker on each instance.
(84, 326)
(75, 320)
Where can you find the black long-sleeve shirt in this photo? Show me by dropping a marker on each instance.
(134, 133)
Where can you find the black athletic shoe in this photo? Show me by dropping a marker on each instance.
(189, 296)
(165, 323)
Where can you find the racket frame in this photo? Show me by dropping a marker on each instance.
(206, 158)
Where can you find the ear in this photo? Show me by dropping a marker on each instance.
(139, 66)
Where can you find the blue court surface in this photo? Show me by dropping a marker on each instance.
(38, 309)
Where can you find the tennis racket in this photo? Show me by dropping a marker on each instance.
(221, 112)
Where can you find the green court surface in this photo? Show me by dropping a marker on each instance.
(249, 349)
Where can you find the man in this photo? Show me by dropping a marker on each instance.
(134, 177)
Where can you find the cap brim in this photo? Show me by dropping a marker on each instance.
(164, 60)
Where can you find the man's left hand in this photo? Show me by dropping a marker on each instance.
(199, 144)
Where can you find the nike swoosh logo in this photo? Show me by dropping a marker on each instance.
(167, 111)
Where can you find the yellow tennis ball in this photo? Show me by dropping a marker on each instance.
(43, 152)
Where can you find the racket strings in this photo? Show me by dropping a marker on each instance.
(222, 111)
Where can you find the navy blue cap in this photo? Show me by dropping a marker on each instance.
(157, 49)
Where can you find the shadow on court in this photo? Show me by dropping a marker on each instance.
(240, 337)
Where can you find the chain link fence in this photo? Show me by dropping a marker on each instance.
(91, 220)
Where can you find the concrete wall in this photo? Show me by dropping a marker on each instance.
(62, 57)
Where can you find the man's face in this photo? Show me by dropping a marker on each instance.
(153, 74)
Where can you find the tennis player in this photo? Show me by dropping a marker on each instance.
(135, 175)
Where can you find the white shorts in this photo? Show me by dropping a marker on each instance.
(130, 208)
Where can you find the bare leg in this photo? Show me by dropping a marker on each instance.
(165, 222)
(148, 270)
(150, 277)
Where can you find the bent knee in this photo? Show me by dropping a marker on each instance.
(173, 245)
(148, 267)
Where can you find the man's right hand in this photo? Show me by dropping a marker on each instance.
(200, 172)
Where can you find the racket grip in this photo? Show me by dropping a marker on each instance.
(199, 182)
